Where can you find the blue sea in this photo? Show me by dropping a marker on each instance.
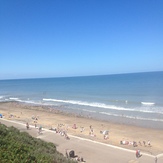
(134, 99)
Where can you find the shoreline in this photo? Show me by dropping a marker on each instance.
(123, 118)
(51, 117)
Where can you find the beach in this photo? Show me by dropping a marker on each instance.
(125, 98)
(52, 118)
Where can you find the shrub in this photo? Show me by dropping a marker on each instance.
(20, 147)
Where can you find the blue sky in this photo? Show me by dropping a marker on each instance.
(56, 38)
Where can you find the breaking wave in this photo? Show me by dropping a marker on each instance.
(147, 103)
(100, 105)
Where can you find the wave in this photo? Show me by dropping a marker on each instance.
(83, 103)
(100, 105)
(91, 111)
(116, 115)
(147, 103)
(21, 101)
(132, 117)
(13, 98)
(31, 102)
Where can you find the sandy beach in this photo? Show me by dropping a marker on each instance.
(88, 128)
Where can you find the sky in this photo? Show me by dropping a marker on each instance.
(60, 38)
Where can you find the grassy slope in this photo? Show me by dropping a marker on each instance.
(20, 147)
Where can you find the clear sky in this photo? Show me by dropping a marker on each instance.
(56, 38)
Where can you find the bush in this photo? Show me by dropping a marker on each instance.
(20, 147)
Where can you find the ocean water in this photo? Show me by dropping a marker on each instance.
(135, 99)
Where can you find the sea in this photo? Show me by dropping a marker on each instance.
(133, 99)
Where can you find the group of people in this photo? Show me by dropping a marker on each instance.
(60, 131)
(134, 143)
(63, 132)
(91, 131)
(39, 129)
(144, 143)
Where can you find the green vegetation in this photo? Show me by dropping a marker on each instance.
(20, 147)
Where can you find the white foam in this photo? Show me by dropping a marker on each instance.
(132, 117)
(13, 98)
(98, 105)
(147, 103)
(116, 115)
(30, 102)
(101, 105)
(91, 111)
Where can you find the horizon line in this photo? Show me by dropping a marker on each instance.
(125, 73)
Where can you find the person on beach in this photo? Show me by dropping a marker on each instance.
(27, 125)
(105, 137)
(91, 133)
(82, 160)
(66, 137)
(66, 153)
(144, 143)
(91, 130)
(149, 143)
(156, 159)
(90, 127)
(134, 144)
(77, 158)
(40, 129)
(81, 129)
(74, 126)
(138, 154)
